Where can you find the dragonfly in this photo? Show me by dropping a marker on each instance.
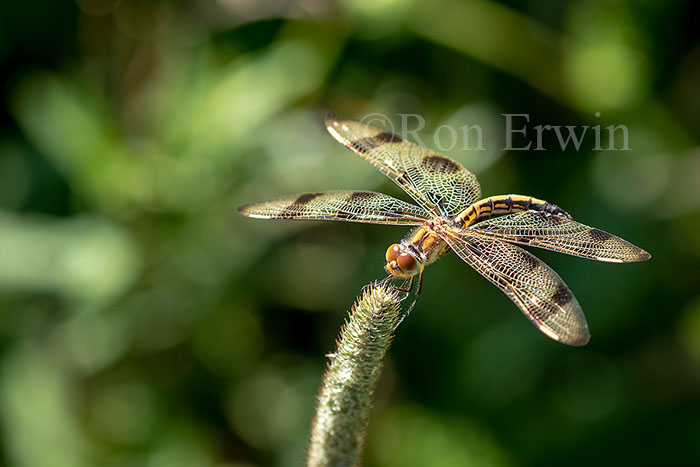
(450, 215)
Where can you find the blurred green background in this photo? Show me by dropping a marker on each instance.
(143, 322)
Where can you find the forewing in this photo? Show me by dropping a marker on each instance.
(532, 285)
(351, 206)
(436, 182)
(560, 234)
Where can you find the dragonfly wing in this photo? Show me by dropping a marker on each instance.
(436, 182)
(560, 234)
(351, 206)
(532, 285)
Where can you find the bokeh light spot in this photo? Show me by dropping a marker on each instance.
(605, 75)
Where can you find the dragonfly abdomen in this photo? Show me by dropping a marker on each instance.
(504, 204)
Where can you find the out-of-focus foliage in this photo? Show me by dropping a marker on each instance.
(144, 323)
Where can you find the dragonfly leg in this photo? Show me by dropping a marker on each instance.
(405, 287)
(415, 299)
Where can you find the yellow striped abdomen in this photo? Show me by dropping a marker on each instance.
(503, 204)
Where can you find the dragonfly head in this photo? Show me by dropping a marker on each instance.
(400, 262)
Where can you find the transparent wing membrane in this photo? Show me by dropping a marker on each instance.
(436, 182)
(350, 206)
(560, 234)
(532, 285)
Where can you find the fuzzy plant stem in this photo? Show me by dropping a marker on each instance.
(342, 411)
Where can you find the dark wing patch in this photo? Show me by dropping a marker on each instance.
(354, 206)
(440, 163)
(305, 199)
(563, 295)
(388, 137)
(371, 142)
(560, 234)
(598, 235)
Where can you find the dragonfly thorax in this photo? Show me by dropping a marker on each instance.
(421, 247)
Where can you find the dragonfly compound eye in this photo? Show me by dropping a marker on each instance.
(392, 252)
(407, 263)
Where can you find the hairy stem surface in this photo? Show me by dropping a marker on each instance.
(344, 401)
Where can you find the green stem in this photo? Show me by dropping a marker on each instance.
(342, 412)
